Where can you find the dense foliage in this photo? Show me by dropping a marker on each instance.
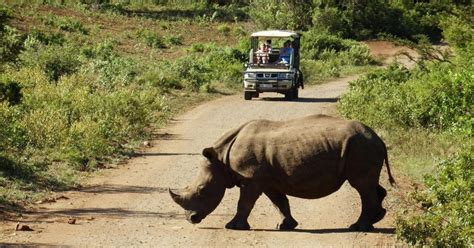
(445, 214)
(438, 97)
(438, 94)
(359, 19)
(325, 55)
(68, 105)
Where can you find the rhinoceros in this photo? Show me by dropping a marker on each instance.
(309, 157)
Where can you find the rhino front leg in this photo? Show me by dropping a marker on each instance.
(281, 203)
(248, 196)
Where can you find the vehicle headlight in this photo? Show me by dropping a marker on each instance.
(285, 75)
(250, 75)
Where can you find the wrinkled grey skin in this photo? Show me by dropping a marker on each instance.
(309, 158)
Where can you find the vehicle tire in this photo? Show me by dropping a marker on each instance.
(248, 95)
(288, 95)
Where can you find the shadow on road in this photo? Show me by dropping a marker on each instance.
(315, 231)
(168, 136)
(119, 189)
(300, 100)
(157, 154)
(105, 212)
(29, 245)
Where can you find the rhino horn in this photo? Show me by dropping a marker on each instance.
(177, 198)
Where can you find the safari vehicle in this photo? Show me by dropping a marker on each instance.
(273, 74)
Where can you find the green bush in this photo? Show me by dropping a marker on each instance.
(224, 29)
(54, 60)
(440, 98)
(12, 135)
(10, 91)
(174, 40)
(444, 217)
(65, 24)
(5, 16)
(326, 47)
(152, 39)
(333, 21)
(276, 14)
(11, 43)
(45, 38)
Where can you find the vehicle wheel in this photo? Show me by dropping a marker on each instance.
(248, 95)
(288, 95)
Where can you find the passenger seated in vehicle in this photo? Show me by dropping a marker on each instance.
(262, 54)
(269, 46)
(285, 53)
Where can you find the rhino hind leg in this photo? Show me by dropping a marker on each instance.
(248, 196)
(381, 193)
(371, 195)
(281, 203)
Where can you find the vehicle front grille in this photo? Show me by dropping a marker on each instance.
(267, 75)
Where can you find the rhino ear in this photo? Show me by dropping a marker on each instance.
(210, 153)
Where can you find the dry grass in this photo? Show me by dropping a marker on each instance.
(123, 30)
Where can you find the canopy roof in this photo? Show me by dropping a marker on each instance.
(275, 34)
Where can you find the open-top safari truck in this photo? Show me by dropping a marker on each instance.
(268, 70)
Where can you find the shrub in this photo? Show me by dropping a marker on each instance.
(10, 44)
(47, 38)
(12, 135)
(445, 217)
(239, 31)
(10, 91)
(5, 16)
(275, 14)
(458, 29)
(152, 39)
(111, 72)
(327, 47)
(224, 29)
(333, 21)
(174, 40)
(197, 48)
(314, 44)
(437, 96)
(65, 24)
(54, 60)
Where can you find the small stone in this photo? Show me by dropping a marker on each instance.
(20, 227)
(71, 221)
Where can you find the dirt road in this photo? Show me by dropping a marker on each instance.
(130, 205)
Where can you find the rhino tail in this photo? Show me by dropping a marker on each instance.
(390, 177)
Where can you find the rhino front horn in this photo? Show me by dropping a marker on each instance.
(176, 197)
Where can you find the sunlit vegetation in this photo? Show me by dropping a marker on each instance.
(83, 82)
